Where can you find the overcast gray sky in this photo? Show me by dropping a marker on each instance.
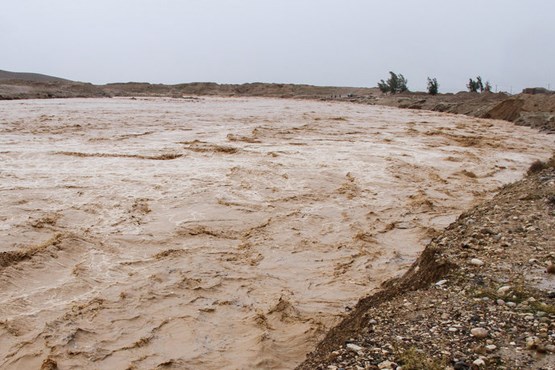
(320, 42)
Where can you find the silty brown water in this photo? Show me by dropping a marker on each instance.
(220, 233)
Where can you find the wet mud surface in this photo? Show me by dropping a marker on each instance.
(218, 232)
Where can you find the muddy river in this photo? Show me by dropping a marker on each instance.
(220, 233)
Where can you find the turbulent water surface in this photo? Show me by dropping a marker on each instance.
(220, 233)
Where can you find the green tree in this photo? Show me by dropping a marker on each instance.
(478, 85)
(473, 86)
(433, 86)
(396, 83)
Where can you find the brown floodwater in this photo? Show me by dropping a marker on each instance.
(220, 233)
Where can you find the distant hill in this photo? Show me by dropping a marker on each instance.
(14, 85)
(31, 77)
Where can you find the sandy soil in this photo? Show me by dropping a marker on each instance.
(220, 233)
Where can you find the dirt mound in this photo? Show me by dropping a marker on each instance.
(508, 110)
(534, 110)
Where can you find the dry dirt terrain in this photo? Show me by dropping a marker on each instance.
(221, 232)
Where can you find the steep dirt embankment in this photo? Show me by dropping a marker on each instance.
(533, 110)
(480, 296)
(537, 111)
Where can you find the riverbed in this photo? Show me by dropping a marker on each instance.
(221, 233)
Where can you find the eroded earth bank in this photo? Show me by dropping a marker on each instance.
(220, 232)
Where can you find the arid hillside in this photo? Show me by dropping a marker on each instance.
(15, 85)
(32, 77)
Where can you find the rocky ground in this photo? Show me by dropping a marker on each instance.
(481, 296)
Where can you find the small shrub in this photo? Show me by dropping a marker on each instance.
(480, 84)
(487, 87)
(537, 166)
(433, 86)
(383, 86)
(412, 359)
(473, 86)
(396, 83)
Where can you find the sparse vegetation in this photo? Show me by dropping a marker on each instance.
(396, 83)
(538, 166)
(433, 86)
(412, 359)
(474, 86)
(487, 87)
(478, 85)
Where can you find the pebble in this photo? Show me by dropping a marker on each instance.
(354, 347)
(386, 365)
(491, 347)
(476, 262)
(532, 342)
(479, 333)
(461, 365)
(479, 362)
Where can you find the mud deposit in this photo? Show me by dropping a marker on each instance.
(220, 233)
